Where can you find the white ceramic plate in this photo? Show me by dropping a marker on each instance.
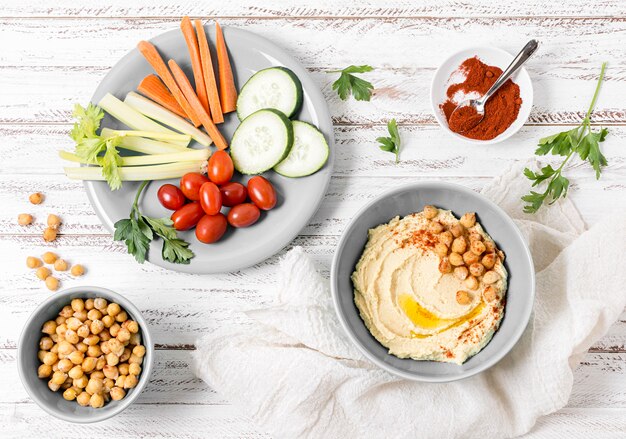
(298, 198)
(493, 57)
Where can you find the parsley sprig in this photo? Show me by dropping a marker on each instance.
(581, 141)
(392, 143)
(139, 230)
(349, 84)
(89, 145)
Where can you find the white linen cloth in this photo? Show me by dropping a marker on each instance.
(292, 369)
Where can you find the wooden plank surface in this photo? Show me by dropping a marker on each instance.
(58, 53)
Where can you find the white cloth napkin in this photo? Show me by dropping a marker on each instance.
(293, 371)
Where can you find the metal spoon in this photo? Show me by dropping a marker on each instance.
(479, 104)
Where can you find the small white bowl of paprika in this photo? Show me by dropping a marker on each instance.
(468, 74)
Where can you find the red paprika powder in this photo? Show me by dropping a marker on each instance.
(501, 109)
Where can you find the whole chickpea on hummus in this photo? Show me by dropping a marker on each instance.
(430, 286)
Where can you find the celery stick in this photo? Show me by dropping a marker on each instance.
(165, 137)
(184, 156)
(155, 111)
(138, 173)
(146, 146)
(131, 117)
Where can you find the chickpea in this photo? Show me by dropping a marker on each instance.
(121, 317)
(477, 269)
(42, 273)
(135, 339)
(58, 377)
(60, 320)
(83, 399)
(125, 355)
(434, 227)
(133, 327)
(54, 221)
(66, 385)
(105, 336)
(123, 369)
(70, 394)
(430, 212)
(123, 335)
(108, 321)
(444, 266)
(94, 314)
(477, 247)
(456, 230)
(80, 382)
(98, 375)
(52, 283)
(49, 234)
(66, 348)
(139, 350)
(55, 348)
(135, 359)
(456, 259)
(100, 303)
(446, 238)
(73, 323)
(490, 294)
(46, 343)
(96, 401)
(49, 257)
(112, 359)
(71, 336)
(463, 298)
(489, 260)
(501, 255)
(110, 372)
(94, 386)
(113, 309)
(76, 357)
(116, 346)
(491, 277)
(119, 382)
(130, 381)
(77, 270)
(441, 249)
(75, 372)
(471, 283)
(461, 273)
(117, 393)
(81, 315)
(36, 198)
(49, 327)
(475, 236)
(61, 329)
(24, 219)
(459, 245)
(89, 364)
(96, 327)
(53, 386)
(83, 331)
(33, 262)
(82, 347)
(470, 258)
(65, 365)
(114, 329)
(41, 354)
(468, 219)
(50, 358)
(104, 347)
(88, 303)
(108, 385)
(134, 369)
(44, 371)
(490, 246)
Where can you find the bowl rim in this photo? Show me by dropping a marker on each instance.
(494, 359)
(435, 106)
(147, 367)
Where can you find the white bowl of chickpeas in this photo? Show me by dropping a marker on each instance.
(85, 354)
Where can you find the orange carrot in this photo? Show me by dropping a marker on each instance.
(152, 56)
(190, 95)
(152, 87)
(228, 91)
(196, 64)
(209, 74)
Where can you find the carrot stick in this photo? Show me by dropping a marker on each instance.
(190, 95)
(228, 91)
(209, 74)
(196, 64)
(152, 56)
(152, 87)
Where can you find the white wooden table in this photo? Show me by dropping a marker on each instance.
(54, 53)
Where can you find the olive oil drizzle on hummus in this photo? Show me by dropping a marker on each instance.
(423, 318)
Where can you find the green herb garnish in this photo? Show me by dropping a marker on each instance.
(391, 143)
(581, 140)
(349, 84)
(139, 230)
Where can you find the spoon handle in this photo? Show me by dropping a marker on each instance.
(519, 60)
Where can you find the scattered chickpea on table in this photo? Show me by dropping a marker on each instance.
(92, 352)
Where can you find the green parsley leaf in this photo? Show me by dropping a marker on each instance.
(87, 122)
(176, 251)
(393, 142)
(349, 84)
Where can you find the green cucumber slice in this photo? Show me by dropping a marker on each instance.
(276, 87)
(308, 154)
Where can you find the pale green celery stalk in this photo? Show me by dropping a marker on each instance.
(154, 111)
(146, 146)
(131, 117)
(183, 156)
(138, 173)
(165, 137)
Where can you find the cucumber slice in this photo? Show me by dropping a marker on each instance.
(276, 87)
(262, 140)
(308, 153)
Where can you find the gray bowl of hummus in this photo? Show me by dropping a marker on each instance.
(433, 282)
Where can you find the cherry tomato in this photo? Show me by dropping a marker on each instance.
(171, 197)
(190, 185)
(211, 228)
(261, 193)
(243, 215)
(233, 193)
(187, 216)
(220, 168)
(210, 198)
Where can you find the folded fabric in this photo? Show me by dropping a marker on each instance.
(291, 368)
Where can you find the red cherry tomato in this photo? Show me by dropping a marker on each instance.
(220, 168)
(187, 216)
(233, 193)
(190, 185)
(171, 197)
(243, 215)
(261, 193)
(211, 228)
(210, 198)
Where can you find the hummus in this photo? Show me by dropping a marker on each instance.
(430, 286)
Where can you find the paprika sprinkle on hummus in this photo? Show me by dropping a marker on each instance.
(501, 109)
